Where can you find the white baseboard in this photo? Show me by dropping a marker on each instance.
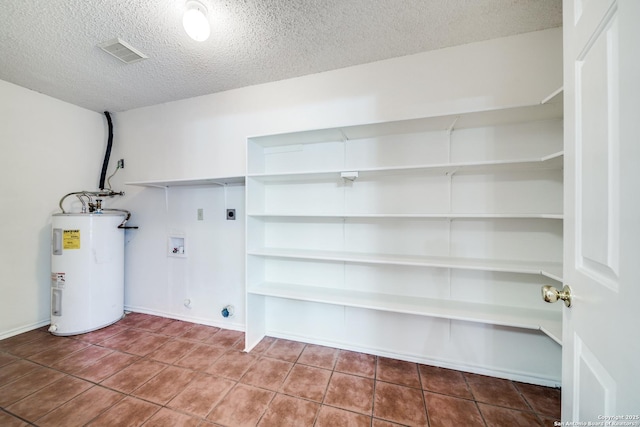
(23, 329)
(442, 363)
(220, 324)
(203, 321)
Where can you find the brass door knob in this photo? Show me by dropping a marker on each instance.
(551, 294)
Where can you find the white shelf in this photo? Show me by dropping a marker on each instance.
(549, 322)
(543, 111)
(552, 270)
(228, 180)
(411, 216)
(552, 161)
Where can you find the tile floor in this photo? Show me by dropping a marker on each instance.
(153, 371)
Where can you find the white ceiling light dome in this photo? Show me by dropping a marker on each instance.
(195, 21)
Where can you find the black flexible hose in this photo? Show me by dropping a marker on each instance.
(107, 154)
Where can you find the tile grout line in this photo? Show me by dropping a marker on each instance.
(94, 384)
(146, 356)
(225, 349)
(17, 416)
(475, 401)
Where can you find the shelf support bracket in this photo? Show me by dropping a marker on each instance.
(553, 94)
(449, 132)
(349, 176)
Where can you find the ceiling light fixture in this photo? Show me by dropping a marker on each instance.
(195, 21)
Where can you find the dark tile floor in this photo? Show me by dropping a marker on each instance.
(153, 371)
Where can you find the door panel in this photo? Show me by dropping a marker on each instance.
(594, 386)
(601, 329)
(597, 158)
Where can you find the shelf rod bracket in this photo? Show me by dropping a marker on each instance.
(552, 95)
(452, 126)
(449, 132)
(452, 172)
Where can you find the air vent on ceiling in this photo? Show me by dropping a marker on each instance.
(122, 50)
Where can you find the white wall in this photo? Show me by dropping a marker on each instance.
(49, 148)
(210, 275)
(206, 136)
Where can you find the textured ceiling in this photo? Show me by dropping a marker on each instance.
(50, 46)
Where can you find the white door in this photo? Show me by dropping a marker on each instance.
(601, 331)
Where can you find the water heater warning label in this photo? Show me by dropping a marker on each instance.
(71, 239)
(57, 280)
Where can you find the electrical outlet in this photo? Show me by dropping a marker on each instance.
(121, 163)
(200, 214)
(231, 214)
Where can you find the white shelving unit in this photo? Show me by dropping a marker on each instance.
(447, 309)
(551, 161)
(166, 185)
(457, 217)
(552, 270)
(228, 180)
